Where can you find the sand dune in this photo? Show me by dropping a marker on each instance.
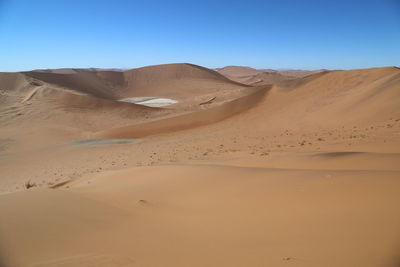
(264, 78)
(179, 80)
(208, 215)
(189, 120)
(353, 96)
(250, 76)
(238, 71)
(301, 172)
(87, 100)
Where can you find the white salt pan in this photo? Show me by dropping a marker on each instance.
(150, 101)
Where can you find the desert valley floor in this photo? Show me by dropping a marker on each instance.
(244, 168)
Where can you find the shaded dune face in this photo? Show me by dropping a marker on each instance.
(11, 81)
(98, 84)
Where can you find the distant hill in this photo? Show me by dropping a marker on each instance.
(251, 76)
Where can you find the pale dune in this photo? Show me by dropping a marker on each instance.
(303, 172)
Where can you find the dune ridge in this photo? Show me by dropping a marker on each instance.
(187, 121)
(254, 77)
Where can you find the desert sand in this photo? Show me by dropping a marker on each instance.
(248, 168)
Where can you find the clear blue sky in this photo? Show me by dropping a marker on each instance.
(308, 34)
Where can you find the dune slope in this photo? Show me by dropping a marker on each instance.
(207, 215)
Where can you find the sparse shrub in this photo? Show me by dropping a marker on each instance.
(29, 184)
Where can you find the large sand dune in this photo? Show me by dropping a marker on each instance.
(171, 80)
(207, 216)
(302, 172)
